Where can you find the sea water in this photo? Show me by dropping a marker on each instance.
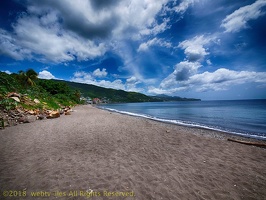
(240, 117)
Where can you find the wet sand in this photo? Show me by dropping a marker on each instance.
(96, 154)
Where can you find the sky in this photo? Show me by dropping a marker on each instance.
(212, 50)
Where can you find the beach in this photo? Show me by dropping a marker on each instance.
(97, 154)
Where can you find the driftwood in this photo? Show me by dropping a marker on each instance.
(248, 143)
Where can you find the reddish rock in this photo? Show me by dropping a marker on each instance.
(53, 114)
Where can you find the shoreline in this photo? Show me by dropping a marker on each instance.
(101, 151)
(218, 133)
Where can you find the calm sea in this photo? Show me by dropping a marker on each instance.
(241, 117)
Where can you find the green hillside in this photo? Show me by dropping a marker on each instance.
(27, 87)
(92, 91)
(56, 94)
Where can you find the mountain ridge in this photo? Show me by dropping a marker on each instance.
(119, 96)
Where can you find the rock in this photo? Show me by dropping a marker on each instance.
(31, 118)
(12, 122)
(13, 94)
(6, 124)
(31, 112)
(41, 117)
(12, 113)
(22, 119)
(20, 111)
(53, 114)
(36, 101)
(27, 100)
(48, 112)
(68, 113)
(16, 99)
(62, 112)
(27, 119)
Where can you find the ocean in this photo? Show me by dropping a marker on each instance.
(239, 117)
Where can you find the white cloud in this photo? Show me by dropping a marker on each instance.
(138, 18)
(183, 71)
(155, 41)
(100, 74)
(195, 48)
(184, 5)
(116, 84)
(130, 84)
(9, 47)
(102, 19)
(47, 32)
(208, 62)
(155, 29)
(6, 71)
(169, 91)
(84, 77)
(46, 75)
(239, 18)
(132, 79)
(220, 79)
(52, 43)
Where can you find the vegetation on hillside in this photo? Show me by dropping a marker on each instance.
(112, 95)
(54, 94)
(50, 94)
(24, 98)
(115, 96)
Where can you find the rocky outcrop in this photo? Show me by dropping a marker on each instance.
(23, 115)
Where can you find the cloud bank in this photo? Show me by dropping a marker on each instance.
(238, 19)
(49, 33)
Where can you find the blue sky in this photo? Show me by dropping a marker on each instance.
(190, 48)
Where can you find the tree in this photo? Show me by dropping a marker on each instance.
(77, 95)
(27, 78)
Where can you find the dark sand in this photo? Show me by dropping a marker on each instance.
(93, 151)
